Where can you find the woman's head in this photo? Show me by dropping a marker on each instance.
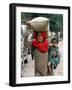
(40, 36)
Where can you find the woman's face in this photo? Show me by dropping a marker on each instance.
(40, 37)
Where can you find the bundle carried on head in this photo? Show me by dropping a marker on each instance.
(38, 24)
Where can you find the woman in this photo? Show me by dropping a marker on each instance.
(40, 53)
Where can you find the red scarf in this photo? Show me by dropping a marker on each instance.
(42, 47)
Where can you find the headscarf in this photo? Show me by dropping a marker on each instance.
(42, 47)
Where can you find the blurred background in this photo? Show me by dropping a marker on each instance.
(55, 29)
